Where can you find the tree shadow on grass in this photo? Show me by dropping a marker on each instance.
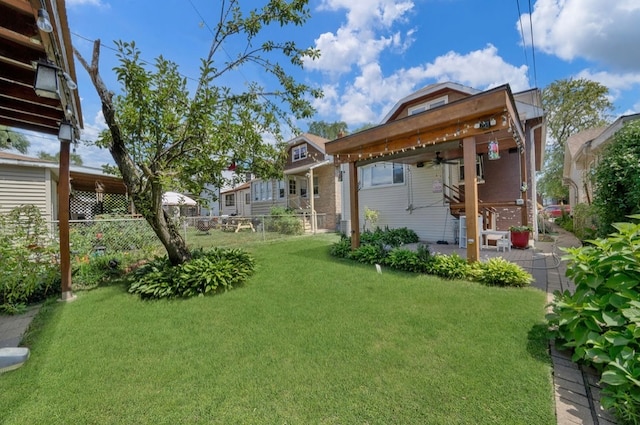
(538, 343)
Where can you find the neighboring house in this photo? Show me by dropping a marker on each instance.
(25, 180)
(413, 168)
(582, 153)
(311, 185)
(236, 201)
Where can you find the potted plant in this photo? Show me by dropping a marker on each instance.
(520, 236)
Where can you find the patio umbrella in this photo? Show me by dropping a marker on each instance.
(175, 198)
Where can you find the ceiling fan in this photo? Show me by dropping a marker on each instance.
(440, 160)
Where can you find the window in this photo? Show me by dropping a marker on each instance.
(433, 103)
(230, 200)
(316, 186)
(303, 188)
(247, 198)
(299, 152)
(262, 190)
(292, 186)
(281, 189)
(381, 174)
(479, 170)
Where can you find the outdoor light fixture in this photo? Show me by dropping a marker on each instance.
(70, 83)
(46, 84)
(66, 132)
(43, 21)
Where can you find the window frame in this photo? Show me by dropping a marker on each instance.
(429, 104)
(299, 152)
(230, 200)
(368, 179)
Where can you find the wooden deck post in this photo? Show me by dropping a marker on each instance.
(354, 205)
(471, 199)
(63, 222)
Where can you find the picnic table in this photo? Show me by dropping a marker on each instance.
(237, 223)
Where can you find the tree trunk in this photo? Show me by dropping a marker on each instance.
(142, 185)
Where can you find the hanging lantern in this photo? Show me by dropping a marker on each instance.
(494, 150)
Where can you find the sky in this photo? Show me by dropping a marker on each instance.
(374, 52)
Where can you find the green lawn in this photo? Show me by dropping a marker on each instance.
(309, 340)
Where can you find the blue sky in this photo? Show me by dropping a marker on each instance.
(375, 52)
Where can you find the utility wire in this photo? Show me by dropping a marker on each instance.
(533, 46)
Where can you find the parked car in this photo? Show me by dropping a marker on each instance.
(555, 211)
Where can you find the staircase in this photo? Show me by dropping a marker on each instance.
(455, 196)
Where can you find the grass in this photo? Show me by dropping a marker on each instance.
(309, 340)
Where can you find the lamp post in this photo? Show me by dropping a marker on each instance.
(66, 137)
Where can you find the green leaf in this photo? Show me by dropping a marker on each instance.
(613, 377)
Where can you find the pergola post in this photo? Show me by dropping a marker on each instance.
(354, 205)
(471, 199)
(63, 222)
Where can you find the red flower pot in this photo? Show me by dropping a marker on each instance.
(520, 239)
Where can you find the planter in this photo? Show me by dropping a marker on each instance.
(520, 239)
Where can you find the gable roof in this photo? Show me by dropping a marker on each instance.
(425, 91)
(576, 141)
(317, 141)
(243, 186)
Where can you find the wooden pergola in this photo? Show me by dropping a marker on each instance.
(460, 129)
(22, 46)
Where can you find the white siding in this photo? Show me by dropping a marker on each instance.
(22, 186)
(413, 204)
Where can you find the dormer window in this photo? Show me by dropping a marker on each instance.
(430, 104)
(299, 152)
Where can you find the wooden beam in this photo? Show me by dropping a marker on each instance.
(471, 199)
(464, 110)
(21, 39)
(23, 6)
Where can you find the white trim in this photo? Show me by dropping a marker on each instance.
(430, 104)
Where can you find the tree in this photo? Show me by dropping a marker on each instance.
(74, 158)
(571, 105)
(327, 130)
(617, 179)
(162, 137)
(12, 140)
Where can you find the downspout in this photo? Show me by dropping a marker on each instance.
(534, 182)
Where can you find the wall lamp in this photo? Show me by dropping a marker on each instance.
(46, 83)
(65, 134)
(43, 21)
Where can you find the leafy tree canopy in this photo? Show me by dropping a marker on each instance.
(617, 178)
(328, 130)
(164, 137)
(571, 105)
(12, 140)
(74, 158)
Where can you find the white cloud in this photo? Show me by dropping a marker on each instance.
(480, 69)
(372, 95)
(363, 37)
(98, 3)
(599, 31)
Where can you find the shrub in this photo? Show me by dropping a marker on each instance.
(28, 261)
(285, 221)
(207, 272)
(92, 270)
(584, 223)
(405, 259)
(389, 237)
(600, 321)
(448, 266)
(369, 254)
(342, 248)
(499, 272)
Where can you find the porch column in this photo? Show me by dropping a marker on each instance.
(471, 199)
(355, 208)
(314, 217)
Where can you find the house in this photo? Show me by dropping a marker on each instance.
(413, 168)
(581, 156)
(310, 186)
(236, 201)
(25, 180)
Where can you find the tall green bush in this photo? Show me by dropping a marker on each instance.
(600, 321)
(285, 221)
(28, 259)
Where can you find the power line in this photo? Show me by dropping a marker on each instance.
(524, 44)
(533, 46)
